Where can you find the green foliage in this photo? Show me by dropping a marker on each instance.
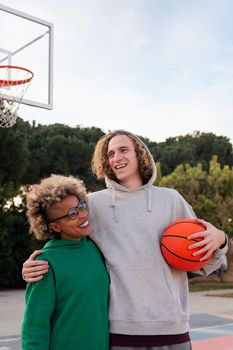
(15, 244)
(62, 150)
(209, 193)
(199, 287)
(192, 149)
(14, 153)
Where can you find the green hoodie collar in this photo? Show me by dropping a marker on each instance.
(55, 243)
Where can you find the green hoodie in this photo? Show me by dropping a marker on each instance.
(68, 308)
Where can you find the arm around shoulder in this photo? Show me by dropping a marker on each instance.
(33, 270)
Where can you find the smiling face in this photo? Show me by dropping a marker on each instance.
(123, 161)
(65, 226)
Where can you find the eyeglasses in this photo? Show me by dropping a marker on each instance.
(73, 212)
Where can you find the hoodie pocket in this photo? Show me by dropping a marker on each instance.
(176, 283)
(143, 294)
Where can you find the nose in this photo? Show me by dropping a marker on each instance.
(117, 156)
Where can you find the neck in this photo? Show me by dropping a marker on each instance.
(132, 184)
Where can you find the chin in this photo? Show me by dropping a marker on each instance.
(87, 232)
(121, 177)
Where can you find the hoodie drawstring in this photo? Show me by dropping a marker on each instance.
(113, 202)
(113, 205)
(149, 200)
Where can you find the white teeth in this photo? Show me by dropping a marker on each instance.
(120, 166)
(86, 223)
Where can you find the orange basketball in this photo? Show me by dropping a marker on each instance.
(174, 245)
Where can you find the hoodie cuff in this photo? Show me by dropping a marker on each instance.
(224, 244)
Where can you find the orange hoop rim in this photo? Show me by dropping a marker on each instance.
(6, 82)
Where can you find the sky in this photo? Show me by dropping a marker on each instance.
(158, 68)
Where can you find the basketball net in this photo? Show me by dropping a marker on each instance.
(14, 82)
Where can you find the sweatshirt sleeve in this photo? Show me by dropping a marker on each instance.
(214, 263)
(40, 304)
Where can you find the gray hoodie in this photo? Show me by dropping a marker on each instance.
(147, 296)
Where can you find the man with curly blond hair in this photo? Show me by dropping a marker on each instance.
(148, 299)
(68, 308)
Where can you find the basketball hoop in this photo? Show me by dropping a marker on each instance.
(14, 82)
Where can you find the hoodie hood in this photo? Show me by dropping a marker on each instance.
(115, 186)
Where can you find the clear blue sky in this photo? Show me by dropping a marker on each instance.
(158, 68)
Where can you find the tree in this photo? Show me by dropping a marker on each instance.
(192, 149)
(209, 193)
(61, 149)
(15, 243)
(14, 153)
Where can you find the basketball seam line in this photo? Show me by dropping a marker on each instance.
(188, 221)
(180, 257)
(196, 240)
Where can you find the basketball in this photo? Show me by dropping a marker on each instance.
(174, 245)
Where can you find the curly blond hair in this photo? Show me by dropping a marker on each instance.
(50, 191)
(100, 163)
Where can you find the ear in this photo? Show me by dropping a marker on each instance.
(54, 226)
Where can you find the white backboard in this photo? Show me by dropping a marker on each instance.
(27, 41)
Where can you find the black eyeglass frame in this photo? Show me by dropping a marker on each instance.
(72, 213)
